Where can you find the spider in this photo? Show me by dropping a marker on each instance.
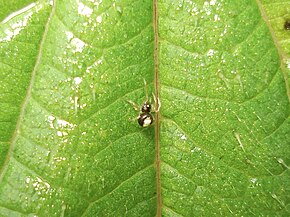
(145, 117)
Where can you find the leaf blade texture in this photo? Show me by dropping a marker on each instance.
(70, 143)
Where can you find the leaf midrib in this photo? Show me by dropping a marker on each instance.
(157, 115)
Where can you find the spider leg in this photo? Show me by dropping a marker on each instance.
(146, 90)
(157, 103)
(135, 106)
(134, 119)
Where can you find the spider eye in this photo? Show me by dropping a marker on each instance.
(146, 107)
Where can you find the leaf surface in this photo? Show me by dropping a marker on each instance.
(225, 129)
(70, 143)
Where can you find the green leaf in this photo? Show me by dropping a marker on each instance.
(70, 144)
(225, 131)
